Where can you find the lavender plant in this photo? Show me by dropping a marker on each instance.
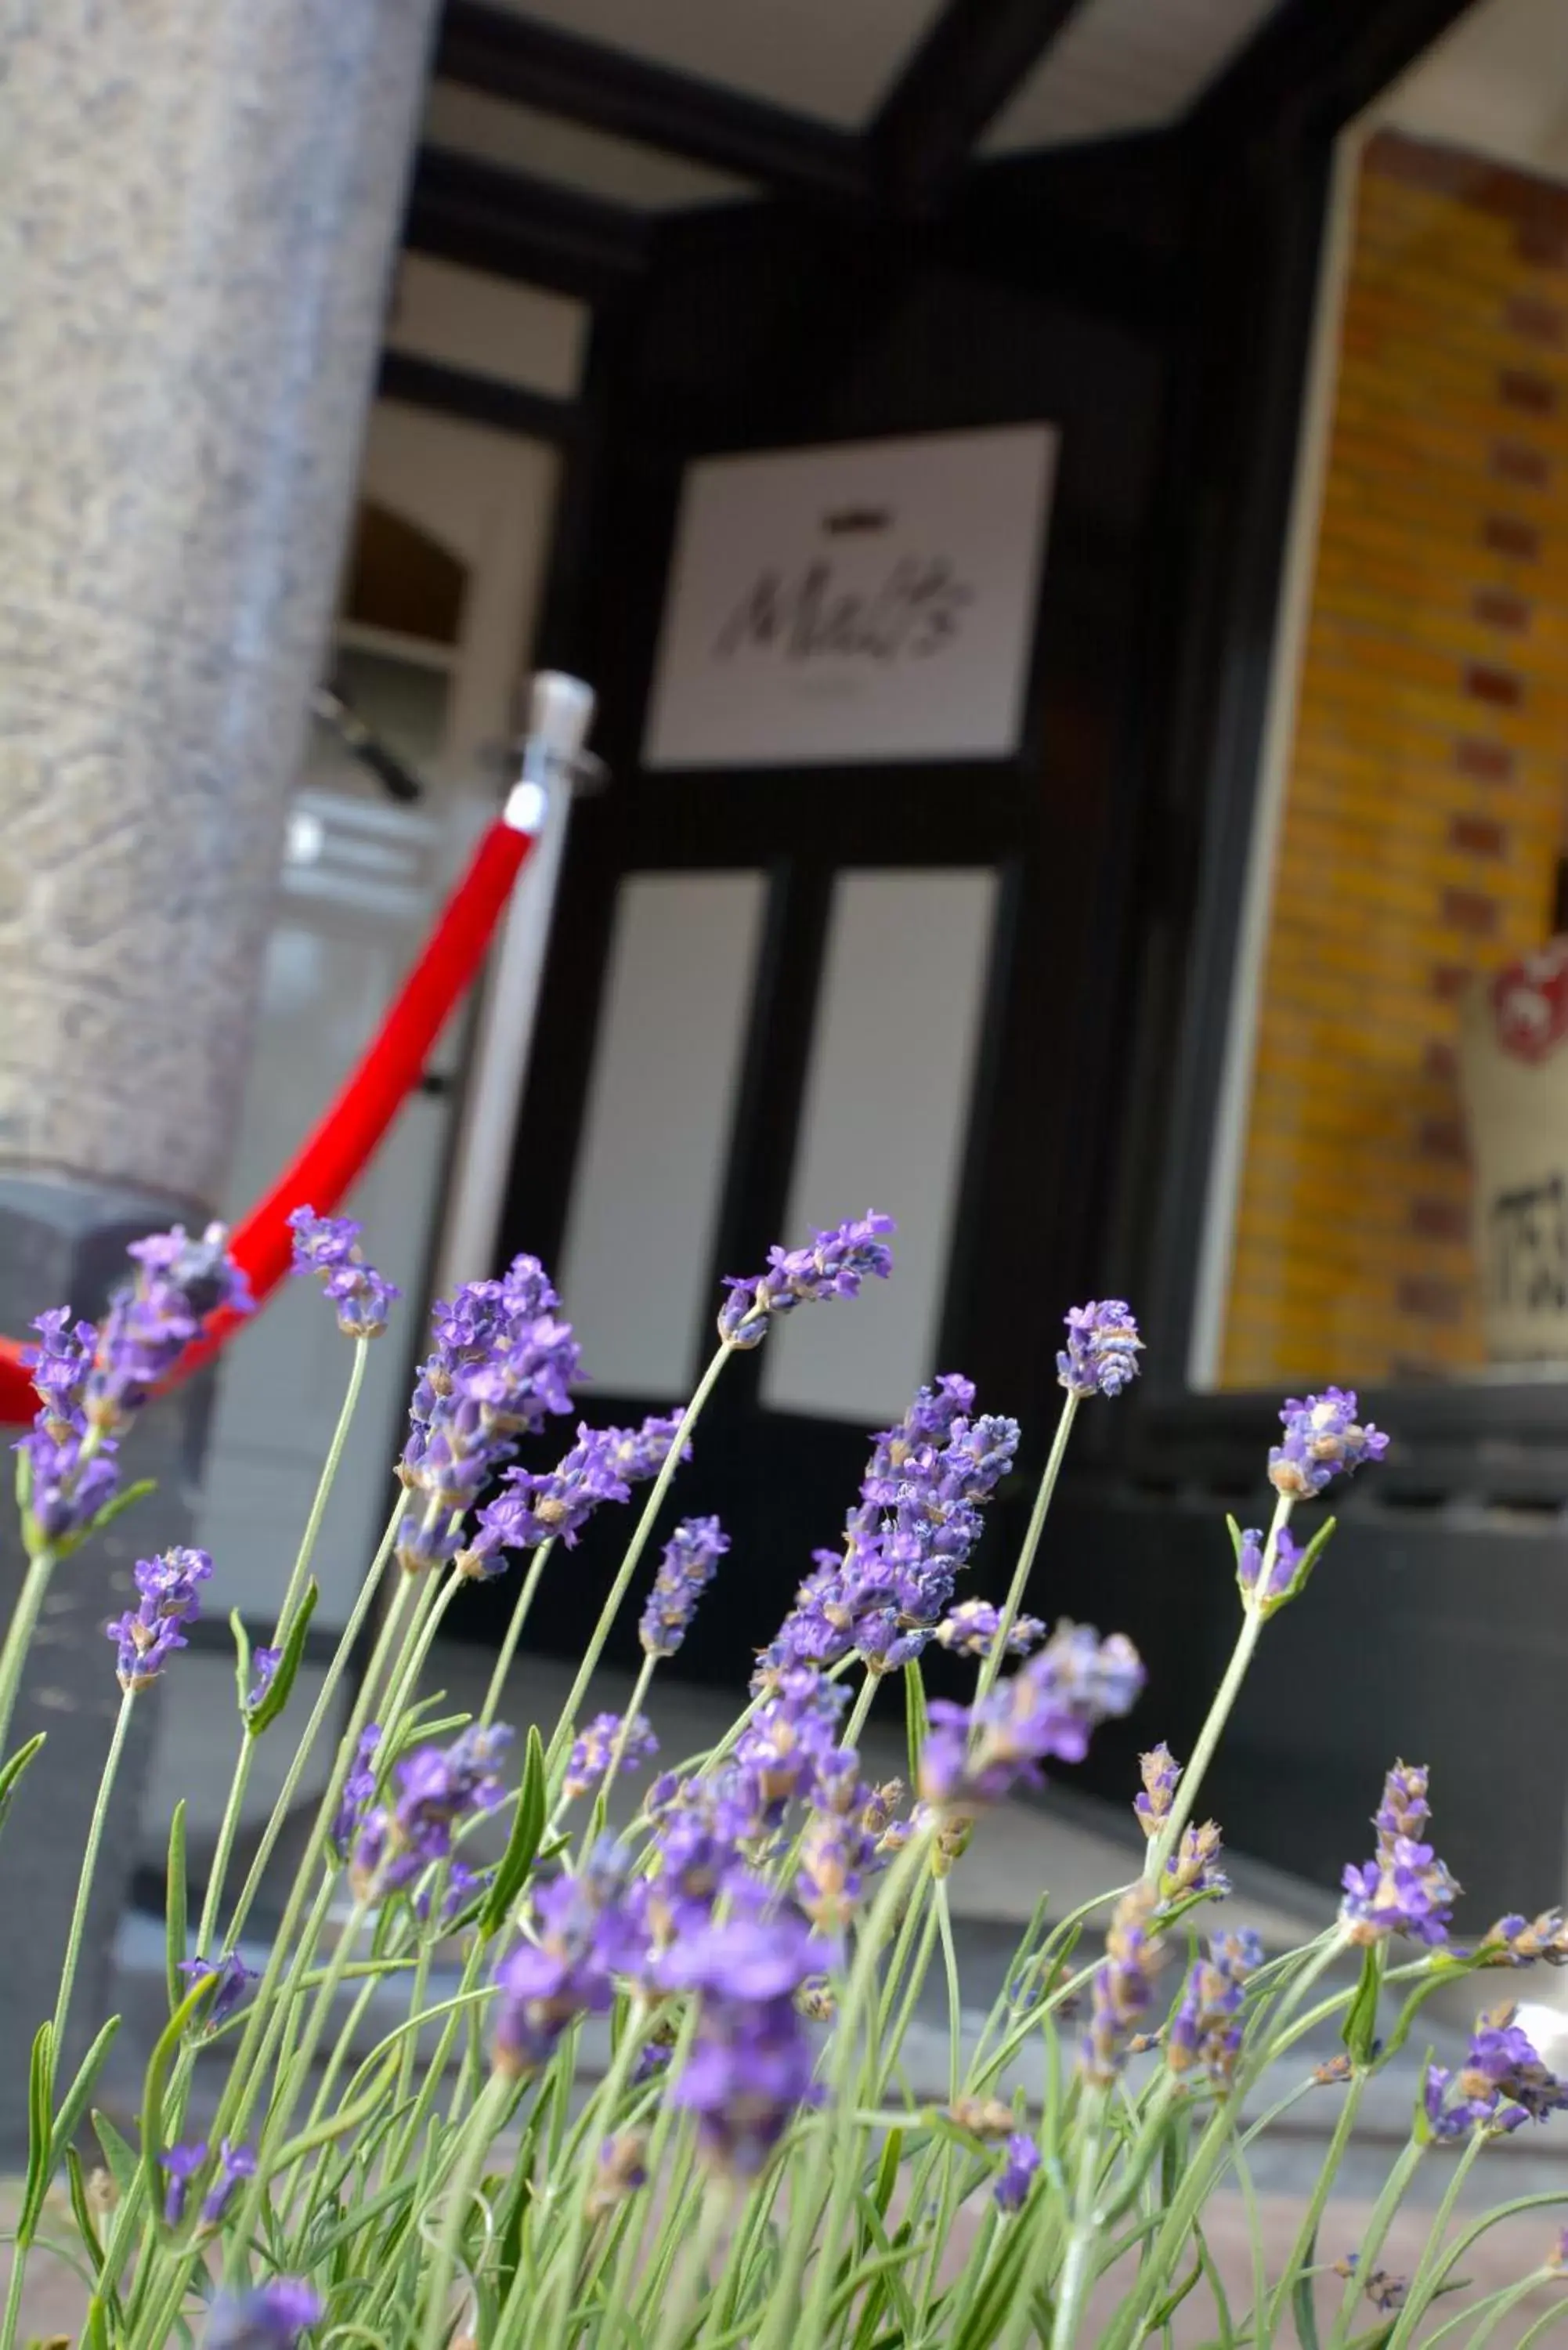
(653, 2088)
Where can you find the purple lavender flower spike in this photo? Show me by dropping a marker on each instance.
(919, 1515)
(149, 1634)
(689, 1565)
(1322, 1439)
(275, 2316)
(329, 1245)
(581, 1927)
(92, 1381)
(1047, 1708)
(1501, 2084)
(834, 1265)
(231, 1974)
(1102, 1350)
(181, 2163)
(1205, 2028)
(590, 1755)
(358, 1788)
(603, 1465)
(1122, 1985)
(503, 1365)
(436, 1787)
(1403, 1889)
(1557, 2258)
(235, 2163)
(751, 2065)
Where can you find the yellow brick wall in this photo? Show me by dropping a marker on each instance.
(1424, 813)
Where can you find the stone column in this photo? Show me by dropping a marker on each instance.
(198, 204)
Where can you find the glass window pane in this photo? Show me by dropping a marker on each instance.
(886, 1108)
(636, 1267)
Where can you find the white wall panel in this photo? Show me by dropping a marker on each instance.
(884, 1125)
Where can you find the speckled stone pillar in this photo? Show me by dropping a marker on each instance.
(198, 204)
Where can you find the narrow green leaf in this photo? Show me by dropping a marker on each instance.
(1361, 2018)
(95, 2335)
(335, 2125)
(242, 1662)
(175, 1912)
(1173, 2301)
(1235, 1537)
(40, 2105)
(995, 2297)
(1303, 2300)
(262, 1716)
(916, 1719)
(118, 2157)
(24, 1483)
(888, 2171)
(159, 2062)
(523, 1844)
(76, 2098)
(82, 2211)
(10, 1774)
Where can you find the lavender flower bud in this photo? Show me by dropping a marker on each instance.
(1382, 2288)
(689, 1565)
(1193, 1866)
(231, 1974)
(264, 1663)
(1012, 2184)
(834, 1265)
(274, 2317)
(149, 1634)
(1123, 1986)
(329, 1245)
(591, 1753)
(1322, 1439)
(974, 1626)
(1102, 1350)
(1283, 1572)
(1161, 1772)
(1205, 2028)
(181, 2163)
(235, 2163)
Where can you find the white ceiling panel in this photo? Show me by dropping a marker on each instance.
(521, 140)
(833, 58)
(1497, 84)
(1125, 64)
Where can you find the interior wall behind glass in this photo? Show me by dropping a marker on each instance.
(1423, 819)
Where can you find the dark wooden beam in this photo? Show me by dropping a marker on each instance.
(610, 90)
(518, 226)
(480, 398)
(963, 73)
(1314, 65)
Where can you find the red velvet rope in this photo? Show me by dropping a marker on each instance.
(331, 1157)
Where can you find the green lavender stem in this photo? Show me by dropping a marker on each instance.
(513, 1632)
(1035, 1529)
(635, 1548)
(19, 1635)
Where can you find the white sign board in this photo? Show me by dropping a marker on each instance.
(871, 600)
